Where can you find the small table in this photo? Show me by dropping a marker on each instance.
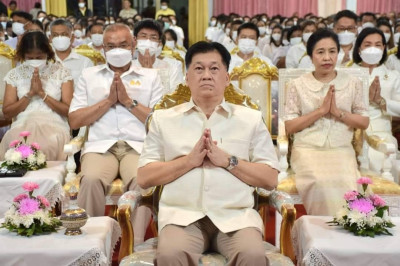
(94, 247)
(50, 180)
(317, 243)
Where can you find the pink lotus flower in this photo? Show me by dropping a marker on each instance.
(351, 195)
(362, 205)
(377, 201)
(25, 134)
(44, 201)
(28, 206)
(20, 197)
(35, 145)
(30, 186)
(14, 143)
(25, 151)
(364, 181)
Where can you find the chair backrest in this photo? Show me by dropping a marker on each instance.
(168, 52)
(96, 57)
(286, 75)
(7, 62)
(259, 80)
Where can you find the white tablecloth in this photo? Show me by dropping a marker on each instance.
(317, 243)
(50, 180)
(94, 247)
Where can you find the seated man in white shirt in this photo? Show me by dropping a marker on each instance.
(148, 35)
(178, 30)
(61, 38)
(96, 35)
(114, 100)
(209, 155)
(247, 39)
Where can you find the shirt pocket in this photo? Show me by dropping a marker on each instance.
(237, 147)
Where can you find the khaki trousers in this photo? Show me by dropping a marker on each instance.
(99, 170)
(184, 245)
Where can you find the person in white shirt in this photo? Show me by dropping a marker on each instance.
(393, 61)
(148, 36)
(178, 30)
(274, 43)
(230, 42)
(298, 51)
(61, 38)
(264, 36)
(79, 35)
(171, 41)
(21, 23)
(114, 100)
(212, 32)
(96, 36)
(127, 12)
(247, 42)
(345, 26)
(203, 152)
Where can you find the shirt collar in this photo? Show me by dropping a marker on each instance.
(222, 106)
(132, 68)
(72, 55)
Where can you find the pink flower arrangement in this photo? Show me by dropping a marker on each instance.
(364, 214)
(30, 186)
(22, 155)
(30, 215)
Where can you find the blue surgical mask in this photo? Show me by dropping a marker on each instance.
(166, 25)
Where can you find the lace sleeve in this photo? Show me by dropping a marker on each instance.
(359, 105)
(292, 102)
(65, 74)
(11, 77)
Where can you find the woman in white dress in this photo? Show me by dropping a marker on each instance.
(322, 110)
(37, 97)
(384, 93)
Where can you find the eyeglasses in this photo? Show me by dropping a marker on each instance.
(341, 29)
(144, 36)
(112, 46)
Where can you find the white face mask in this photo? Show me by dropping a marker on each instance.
(276, 37)
(163, 7)
(61, 43)
(4, 24)
(78, 33)
(295, 40)
(41, 19)
(346, 37)
(213, 23)
(247, 46)
(396, 37)
(234, 35)
(158, 51)
(143, 45)
(227, 31)
(97, 39)
(118, 57)
(371, 55)
(36, 63)
(170, 44)
(368, 25)
(306, 36)
(81, 5)
(18, 28)
(173, 22)
(285, 42)
(387, 37)
(262, 30)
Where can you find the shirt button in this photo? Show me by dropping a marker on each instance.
(206, 188)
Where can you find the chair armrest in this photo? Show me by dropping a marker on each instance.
(283, 148)
(284, 204)
(74, 145)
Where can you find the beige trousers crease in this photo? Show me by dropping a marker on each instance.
(184, 245)
(98, 170)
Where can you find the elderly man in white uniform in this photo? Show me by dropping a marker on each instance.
(209, 155)
(114, 100)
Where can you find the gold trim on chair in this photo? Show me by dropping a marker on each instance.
(168, 52)
(8, 52)
(235, 50)
(392, 51)
(96, 57)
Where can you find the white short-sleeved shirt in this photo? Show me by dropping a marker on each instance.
(75, 63)
(118, 123)
(208, 190)
(294, 55)
(236, 60)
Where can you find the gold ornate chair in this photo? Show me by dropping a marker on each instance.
(259, 80)
(382, 183)
(168, 52)
(143, 254)
(96, 57)
(7, 62)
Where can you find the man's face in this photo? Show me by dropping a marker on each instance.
(96, 30)
(344, 24)
(23, 21)
(207, 76)
(248, 34)
(60, 30)
(127, 4)
(118, 39)
(148, 34)
(367, 18)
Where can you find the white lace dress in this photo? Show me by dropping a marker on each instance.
(47, 127)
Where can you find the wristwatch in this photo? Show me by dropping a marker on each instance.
(133, 105)
(233, 161)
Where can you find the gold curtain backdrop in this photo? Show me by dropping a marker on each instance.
(56, 7)
(198, 20)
